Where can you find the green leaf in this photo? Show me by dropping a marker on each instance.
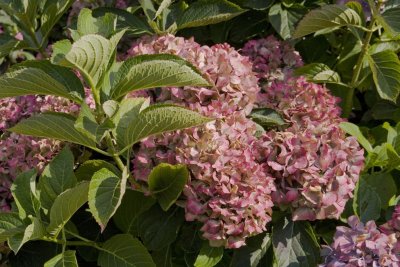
(104, 25)
(52, 12)
(55, 126)
(209, 256)
(318, 73)
(91, 55)
(65, 205)
(327, 17)
(41, 77)
(105, 194)
(384, 186)
(166, 183)
(267, 117)
(367, 203)
(10, 224)
(150, 71)
(164, 5)
(33, 231)
(251, 254)
(7, 44)
(385, 67)
(158, 229)
(24, 192)
(88, 168)
(284, 19)
(135, 124)
(148, 9)
(124, 250)
(391, 17)
(66, 259)
(57, 177)
(87, 124)
(163, 258)
(205, 12)
(353, 130)
(294, 243)
(133, 204)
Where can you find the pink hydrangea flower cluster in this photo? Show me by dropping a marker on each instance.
(362, 245)
(229, 192)
(315, 165)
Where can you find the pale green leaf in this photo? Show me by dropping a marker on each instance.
(385, 67)
(52, 12)
(57, 177)
(105, 194)
(156, 119)
(327, 17)
(318, 73)
(33, 231)
(166, 183)
(65, 205)
(148, 9)
(124, 251)
(294, 244)
(24, 192)
(104, 25)
(267, 117)
(10, 224)
(284, 19)
(205, 12)
(53, 125)
(150, 71)
(65, 259)
(209, 256)
(86, 123)
(164, 5)
(41, 77)
(353, 130)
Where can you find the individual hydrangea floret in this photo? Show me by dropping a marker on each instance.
(229, 192)
(361, 245)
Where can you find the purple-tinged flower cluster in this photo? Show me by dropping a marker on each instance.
(315, 165)
(229, 191)
(362, 245)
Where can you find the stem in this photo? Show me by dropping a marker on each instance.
(71, 243)
(357, 70)
(115, 156)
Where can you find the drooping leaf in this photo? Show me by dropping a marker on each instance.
(158, 229)
(209, 256)
(24, 192)
(327, 17)
(88, 168)
(251, 254)
(294, 243)
(105, 194)
(136, 124)
(53, 125)
(33, 231)
(385, 67)
(65, 205)
(318, 73)
(10, 224)
(205, 12)
(66, 259)
(150, 71)
(353, 130)
(57, 177)
(267, 117)
(166, 183)
(124, 250)
(133, 204)
(41, 77)
(367, 203)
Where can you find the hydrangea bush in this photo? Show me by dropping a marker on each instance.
(172, 149)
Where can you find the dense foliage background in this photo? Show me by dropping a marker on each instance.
(199, 133)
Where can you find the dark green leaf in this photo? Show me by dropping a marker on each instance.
(367, 203)
(86, 124)
(318, 73)
(284, 20)
(10, 224)
(251, 254)
(25, 195)
(33, 231)
(66, 259)
(88, 168)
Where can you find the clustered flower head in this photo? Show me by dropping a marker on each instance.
(315, 165)
(229, 192)
(362, 245)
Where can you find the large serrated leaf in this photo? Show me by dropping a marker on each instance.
(33, 231)
(89, 167)
(392, 19)
(57, 177)
(53, 125)
(150, 71)
(367, 203)
(123, 250)
(284, 19)
(166, 183)
(65, 205)
(205, 12)
(294, 244)
(25, 196)
(104, 25)
(41, 77)
(318, 73)
(327, 17)
(251, 254)
(65, 259)
(105, 194)
(135, 124)
(385, 67)
(209, 256)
